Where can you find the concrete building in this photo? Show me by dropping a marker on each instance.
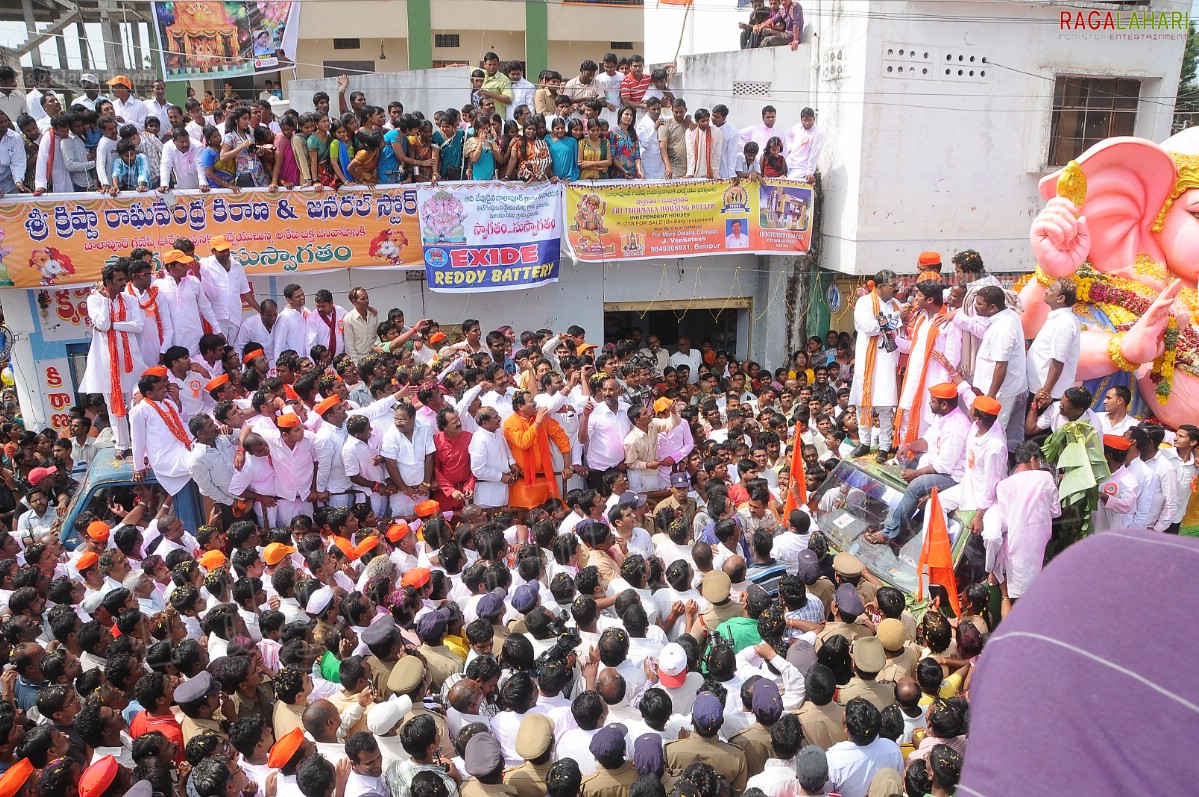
(420, 34)
(940, 117)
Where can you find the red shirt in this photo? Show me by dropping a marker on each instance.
(168, 726)
(633, 90)
(451, 467)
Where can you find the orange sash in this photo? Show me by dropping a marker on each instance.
(150, 306)
(868, 368)
(173, 421)
(907, 422)
(114, 362)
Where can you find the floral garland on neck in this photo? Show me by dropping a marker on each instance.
(1124, 301)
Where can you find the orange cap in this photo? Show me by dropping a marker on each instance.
(284, 748)
(158, 370)
(98, 530)
(427, 508)
(276, 552)
(327, 404)
(290, 393)
(397, 531)
(366, 545)
(211, 560)
(175, 256)
(437, 337)
(988, 405)
(346, 547)
(88, 560)
(288, 420)
(663, 404)
(121, 80)
(416, 577)
(213, 384)
(12, 780)
(251, 355)
(1116, 441)
(96, 779)
(586, 347)
(946, 391)
(929, 259)
(220, 243)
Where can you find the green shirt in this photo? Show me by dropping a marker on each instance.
(743, 631)
(330, 668)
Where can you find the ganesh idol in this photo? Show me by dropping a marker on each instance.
(1123, 224)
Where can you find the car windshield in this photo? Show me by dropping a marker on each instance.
(855, 499)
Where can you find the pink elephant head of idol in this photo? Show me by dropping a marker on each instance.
(1142, 198)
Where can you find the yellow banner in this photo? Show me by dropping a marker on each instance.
(640, 220)
(65, 239)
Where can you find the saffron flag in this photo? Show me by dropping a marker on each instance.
(674, 2)
(936, 556)
(797, 493)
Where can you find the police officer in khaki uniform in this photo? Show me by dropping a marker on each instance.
(868, 659)
(381, 638)
(439, 659)
(716, 588)
(707, 715)
(754, 741)
(410, 677)
(850, 570)
(822, 719)
(614, 776)
(847, 608)
(808, 571)
(902, 656)
(485, 762)
(535, 744)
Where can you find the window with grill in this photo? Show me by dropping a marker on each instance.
(1086, 110)
(620, 45)
(446, 40)
(347, 44)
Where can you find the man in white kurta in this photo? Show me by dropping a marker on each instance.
(325, 325)
(190, 309)
(875, 375)
(1018, 527)
(293, 455)
(114, 358)
(226, 286)
(161, 442)
(641, 457)
(157, 331)
(329, 442)
(490, 460)
(358, 460)
(804, 146)
(929, 334)
(291, 329)
(941, 462)
(407, 453)
(986, 460)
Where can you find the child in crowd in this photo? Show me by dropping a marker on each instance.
(129, 170)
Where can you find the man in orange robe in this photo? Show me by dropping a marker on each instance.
(529, 431)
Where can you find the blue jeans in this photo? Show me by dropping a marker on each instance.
(918, 488)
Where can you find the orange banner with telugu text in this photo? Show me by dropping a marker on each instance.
(65, 239)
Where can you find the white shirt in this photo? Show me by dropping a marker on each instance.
(1115, 512)
(804, 148)
(294, 467)
(606, 431)
(851, 767)
(692, 359)
(1058, 340)
(1052, 418)
(224, 289)
(187, 304)
(986, 466)
(158, 109)
(184, 166)
(500, 402)
(318, 330)
(760, 134)
(736, 241)
(522, 94)
(253, 330)
(1184, 475)
(290, 332)
(132, 111)
(1002, 342)
(1107, 426)
(1149, 503)
(153, 442)
(652, 165)
(358, 459)
(729, 150)
(777, 778)
(576, 743)
(1163, 469)
(409, 453)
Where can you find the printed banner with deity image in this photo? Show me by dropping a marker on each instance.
(622, 220)
(63, 240)
(212, 40)
(490, 236)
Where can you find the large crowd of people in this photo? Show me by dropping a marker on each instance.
(437, 561)
(613, 120)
